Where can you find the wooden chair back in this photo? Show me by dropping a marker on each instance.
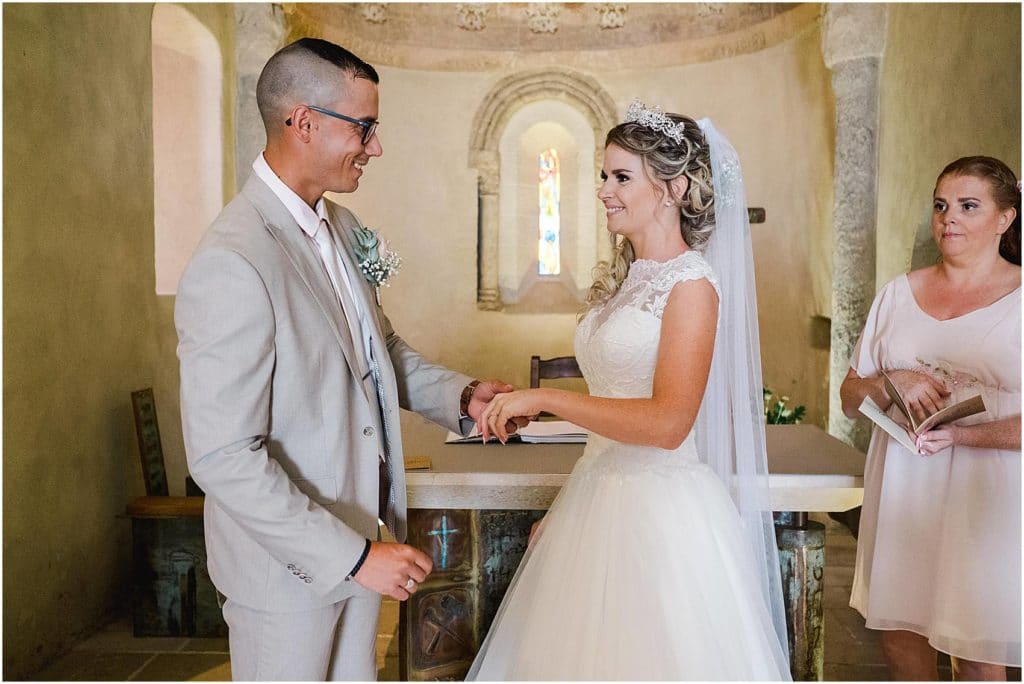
(558, 367)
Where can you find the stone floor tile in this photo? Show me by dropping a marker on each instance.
(846, 647)
(117, 636)
(844, 617)
(840, 555)
(180, 666)
(205, 645)
(220, 673)
(836, 596)
(835, 672)
(97, 666)
(837, 575)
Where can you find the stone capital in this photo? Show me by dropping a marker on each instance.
(852, 31)
(260, 31)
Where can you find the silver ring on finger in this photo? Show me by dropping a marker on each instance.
(410, 583)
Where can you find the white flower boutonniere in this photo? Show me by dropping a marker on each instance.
(376, 259)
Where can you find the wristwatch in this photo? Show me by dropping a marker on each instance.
(467, 395)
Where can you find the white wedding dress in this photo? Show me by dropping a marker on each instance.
(641, 570)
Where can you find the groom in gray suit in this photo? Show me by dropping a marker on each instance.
(291, 380)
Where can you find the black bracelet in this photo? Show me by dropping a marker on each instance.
(359, 563)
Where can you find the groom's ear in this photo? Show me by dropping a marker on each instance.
(299, 123)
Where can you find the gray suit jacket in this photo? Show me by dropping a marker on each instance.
(279, 411)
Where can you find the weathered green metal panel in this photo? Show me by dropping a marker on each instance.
(802, 559)
(173, 594)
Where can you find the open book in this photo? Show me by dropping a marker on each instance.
(537, 432)
(962, 409)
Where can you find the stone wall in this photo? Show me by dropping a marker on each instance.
(422, 194)
(82, 324)
(946, 92)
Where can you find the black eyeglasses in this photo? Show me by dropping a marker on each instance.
(369, 127)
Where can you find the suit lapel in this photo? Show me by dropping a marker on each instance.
(303, 258)
(344, 223)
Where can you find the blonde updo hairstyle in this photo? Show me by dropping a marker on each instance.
(663, 160)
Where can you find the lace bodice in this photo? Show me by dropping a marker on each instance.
(617, 343)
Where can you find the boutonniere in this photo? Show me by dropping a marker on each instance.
(376, 259)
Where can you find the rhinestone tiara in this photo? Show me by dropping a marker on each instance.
(654, 119)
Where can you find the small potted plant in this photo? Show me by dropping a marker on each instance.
(777, 413)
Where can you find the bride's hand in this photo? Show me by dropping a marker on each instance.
(506, 407)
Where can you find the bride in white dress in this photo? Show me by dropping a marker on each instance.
(657, 560)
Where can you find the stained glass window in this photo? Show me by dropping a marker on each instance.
(549, 182)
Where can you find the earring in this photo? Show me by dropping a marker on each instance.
(669, 204)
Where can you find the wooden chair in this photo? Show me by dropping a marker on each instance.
(547, 369)
(172, 594)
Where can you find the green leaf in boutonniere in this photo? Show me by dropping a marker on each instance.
(376, 260)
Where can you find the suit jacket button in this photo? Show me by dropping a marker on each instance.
(309, 580)
(368, 432)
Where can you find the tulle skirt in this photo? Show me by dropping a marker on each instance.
(640, 572)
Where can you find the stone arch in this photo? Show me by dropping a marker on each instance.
(507, 97)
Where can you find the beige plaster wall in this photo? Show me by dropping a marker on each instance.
(82, 325)
(950, 87)
(776, 107)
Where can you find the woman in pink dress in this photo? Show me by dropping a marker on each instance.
(939, 554)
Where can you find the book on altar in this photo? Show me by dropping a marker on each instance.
(898, 431)
(537, 432)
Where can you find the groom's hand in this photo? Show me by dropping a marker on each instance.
(393, 569)
(482, 395)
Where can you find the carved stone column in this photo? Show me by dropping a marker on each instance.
(488, 296)
(852, 43)
(259, 33)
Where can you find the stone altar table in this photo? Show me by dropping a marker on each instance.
(472, 511)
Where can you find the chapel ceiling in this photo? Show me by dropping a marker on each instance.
(455, 36)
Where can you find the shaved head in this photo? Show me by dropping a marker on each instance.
(308, 71)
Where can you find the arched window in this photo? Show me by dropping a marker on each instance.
(536, 134)
(188, 158)
(549, 223)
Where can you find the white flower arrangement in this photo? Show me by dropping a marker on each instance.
(376, 259)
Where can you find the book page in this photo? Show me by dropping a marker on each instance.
(553, 432)
(539, 431)
(877, 416)
(456, 438)
(967, 407)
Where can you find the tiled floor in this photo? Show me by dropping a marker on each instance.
(851, 652)
(113, 654)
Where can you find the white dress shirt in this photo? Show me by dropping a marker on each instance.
(315, 225)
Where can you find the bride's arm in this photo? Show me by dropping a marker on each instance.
(684, 361)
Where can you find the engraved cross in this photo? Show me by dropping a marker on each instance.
(443, 533)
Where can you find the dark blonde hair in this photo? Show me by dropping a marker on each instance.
(664, 160)
(1004, 191)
